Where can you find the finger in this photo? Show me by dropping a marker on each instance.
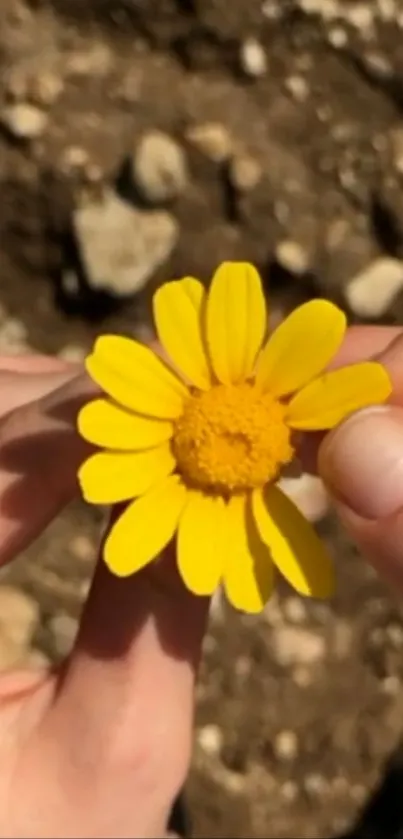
(380, 541)
(39, 456)
(128, 690)
(361, 463)
(35, 364)
(361, 343)
(364, 342)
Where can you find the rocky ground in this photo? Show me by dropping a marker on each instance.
(140, 141)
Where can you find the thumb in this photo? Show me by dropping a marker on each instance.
(361, 463)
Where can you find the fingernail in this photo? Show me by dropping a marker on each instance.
(362, 462)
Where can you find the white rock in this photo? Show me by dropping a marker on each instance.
(315, 785)
(64, 630)
(121, 247)
(289, 791)
(244, 173)
(82, 548)
(24, 121)
(360, 15)
(253, 58)
(286, 745)
(294, 645)
(387, 10)
(294, 610)
(308, 494)
(38, 660)
(159, 167)
(73, 353)
(210, 738)
(337, 37)
(46, 88)
(212, 139)
(292, 256)
(19, 615)
(371, 292)
(298, 87)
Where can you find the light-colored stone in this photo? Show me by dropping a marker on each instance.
(94, 59)
(159, 167)
(19, 615)
(64, 630)
(360, 15)
(286, 745)
(315, 785)
(387, 10)
(244, 172)
(371, 292)
(289, 791)
(309, 494)
(337, 37)
(73, 353)
(294, 610)
(45, 89)
(210, 739)
(74, 158)
(298, 88)
(212, 139)
(121, 247)
(38, 660)
(82, 548)
(24, 121)
(70, 283)
(294, 646)
(292, 256)
(253, 58)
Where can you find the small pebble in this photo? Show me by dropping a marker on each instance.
(298, 88)
(244, 173)
(24, 121)
(211, 139)
(286, 745)
(253, 59)
(292, 256)
(371, 293)
(159, 167)
(210, 739)
(64, 630)
(45, 89)
(82, 548)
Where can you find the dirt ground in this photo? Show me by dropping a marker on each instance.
(298, 709)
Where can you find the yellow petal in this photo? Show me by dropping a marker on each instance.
(331, 398)
(134, 376)
(109, 477)
(235, 320)
(296, 549)
(248, 569)
(201, 543)
(301, 347)
(105, 424)
(145, 528)
(178, 312)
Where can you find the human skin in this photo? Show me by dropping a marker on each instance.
(101, 746)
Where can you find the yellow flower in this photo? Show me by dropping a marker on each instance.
(200, 450)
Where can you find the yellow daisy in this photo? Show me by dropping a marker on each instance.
(200, 449)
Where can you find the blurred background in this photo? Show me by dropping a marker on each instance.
(148, 139)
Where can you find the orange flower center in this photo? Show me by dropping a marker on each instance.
(231, 437)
